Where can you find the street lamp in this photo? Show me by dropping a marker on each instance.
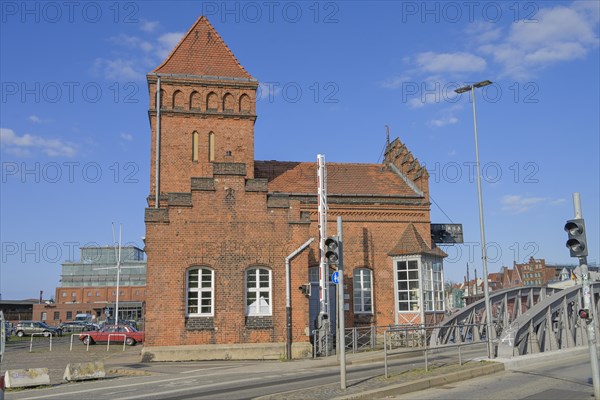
(486, 291)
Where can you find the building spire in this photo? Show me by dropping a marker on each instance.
(202, 52)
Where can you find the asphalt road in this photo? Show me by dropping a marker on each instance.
(568, 377)
(564, 378)
(232, 380)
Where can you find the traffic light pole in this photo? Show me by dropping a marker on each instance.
(588, 304)
(340, 306)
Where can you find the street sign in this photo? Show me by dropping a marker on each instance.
(447, 233)
(335, 277)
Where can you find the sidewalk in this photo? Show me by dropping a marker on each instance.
(400, 381)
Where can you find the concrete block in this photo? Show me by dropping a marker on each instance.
(26, 377)
(84, 371)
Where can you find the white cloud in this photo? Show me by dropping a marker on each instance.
(439, 122)
(24, 145)
(483, 32)
(118, 69)
(557, 202)
(149, 26)
(561, 34)
(517, 204)
(127, 136)
(141, 56)
(35, 119)
(133, 42)
(395, 82)
(450, 62)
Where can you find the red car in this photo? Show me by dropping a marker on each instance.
(114, 333)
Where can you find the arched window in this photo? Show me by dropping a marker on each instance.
(212, 102)
(363, 291)
(195, 143)
(245, 104)
(195, 101)
(211, 147)
(258, 292)
(178, 101)
(200, 292)
(228, 103)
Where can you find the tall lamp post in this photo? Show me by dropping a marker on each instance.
(486, 291)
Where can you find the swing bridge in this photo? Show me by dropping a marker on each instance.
(525, 320)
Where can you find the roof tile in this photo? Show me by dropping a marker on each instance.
(342, 178)
(411, 242)
(202, 52)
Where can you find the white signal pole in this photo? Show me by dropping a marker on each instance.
(322, 209)
(588, 304)
(118, 257)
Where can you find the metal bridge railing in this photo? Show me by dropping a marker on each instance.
(408, 339)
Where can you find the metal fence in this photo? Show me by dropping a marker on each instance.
(370, 338)
(403, 340)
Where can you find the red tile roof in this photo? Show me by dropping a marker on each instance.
(411, 242)
(342, 179)
(202, 52)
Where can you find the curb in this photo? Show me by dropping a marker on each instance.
(426, 383)
(129, 372)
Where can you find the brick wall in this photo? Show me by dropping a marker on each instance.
(99, 294)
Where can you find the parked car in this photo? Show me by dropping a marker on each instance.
(84, 317)
(30, 327)
(115, 333)
(111, 321)
(78, 326)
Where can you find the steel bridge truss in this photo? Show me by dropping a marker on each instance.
(525, 320)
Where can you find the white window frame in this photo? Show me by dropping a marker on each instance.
(200, 290)
(419, 291)
(256, 290)
(359, 289)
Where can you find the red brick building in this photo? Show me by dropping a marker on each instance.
(218, 237)
(90, 286)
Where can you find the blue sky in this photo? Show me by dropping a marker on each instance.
(75, 141)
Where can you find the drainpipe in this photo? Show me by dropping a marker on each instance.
(157, 173)
(288, 295)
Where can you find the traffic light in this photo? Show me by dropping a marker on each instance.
(332, 250)
(584, 314)
(577, 242)
(305, 289)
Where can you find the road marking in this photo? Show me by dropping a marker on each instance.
(104, 388)
(146, 395)
(205, 369)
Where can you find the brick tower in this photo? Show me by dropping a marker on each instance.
(207, 111)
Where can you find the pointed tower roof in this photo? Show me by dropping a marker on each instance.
(411, 242)
(202, 52)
